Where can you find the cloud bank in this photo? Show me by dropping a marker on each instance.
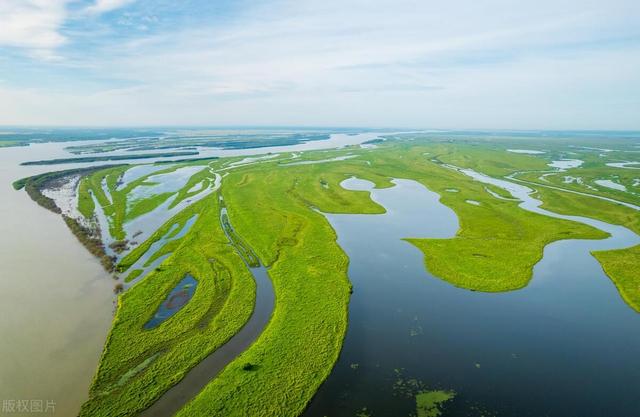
(460, 64)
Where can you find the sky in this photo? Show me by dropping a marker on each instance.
(492, 64)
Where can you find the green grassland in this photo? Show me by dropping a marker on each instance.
(137, 365)
(297, 350)
(293, 354)
(619, 265)
(622, 267)
(276, 210)
(498, 243)
(493, 162)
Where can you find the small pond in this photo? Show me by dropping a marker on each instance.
(177, 298)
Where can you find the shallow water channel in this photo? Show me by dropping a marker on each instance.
(566, 345)
(199, 376)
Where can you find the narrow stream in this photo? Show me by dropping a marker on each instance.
(145, 264)
(620, 236)
(553, 187)
(566, 345)
(198, 377)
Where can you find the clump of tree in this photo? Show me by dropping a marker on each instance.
(119, 246)
(90, 241)
(118, 288)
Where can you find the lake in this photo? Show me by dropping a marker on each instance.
(566, 345)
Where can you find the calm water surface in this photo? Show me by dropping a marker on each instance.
(56, 299)
(566, 345)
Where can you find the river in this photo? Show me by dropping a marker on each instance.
(57, 300)
(566, 345)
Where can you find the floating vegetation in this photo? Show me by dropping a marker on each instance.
(430, 403)
(363, 413)
(404, 387)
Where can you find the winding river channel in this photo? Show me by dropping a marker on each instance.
(198, 377)
(52, 275)
(566, 345)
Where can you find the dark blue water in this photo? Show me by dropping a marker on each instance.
(179, 296)
(566, 345)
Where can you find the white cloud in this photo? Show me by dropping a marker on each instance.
(103, 6)
(33, 24)
(550, 63)
(36, 25)
(311, 47)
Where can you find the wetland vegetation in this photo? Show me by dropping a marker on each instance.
(158, 224)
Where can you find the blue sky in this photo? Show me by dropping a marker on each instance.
(562, 64)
